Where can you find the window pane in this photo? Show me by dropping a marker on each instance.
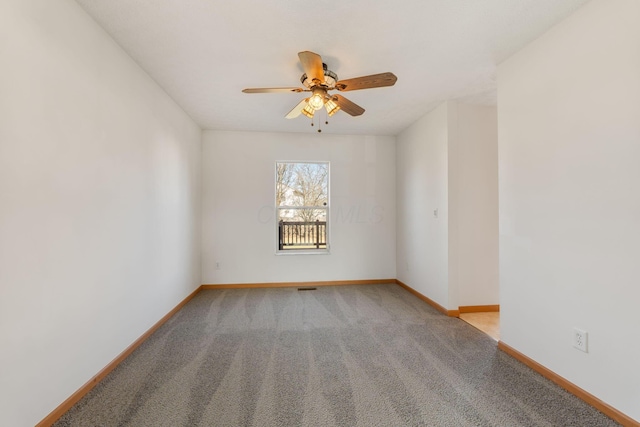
(302, 184)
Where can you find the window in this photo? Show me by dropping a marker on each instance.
(302, 205)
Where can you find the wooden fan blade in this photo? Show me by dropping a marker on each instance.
(312, 64)
(347, 106)
(273, 90)
(367, 82)
(297, 110)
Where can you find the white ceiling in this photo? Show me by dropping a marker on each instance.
(204, 52)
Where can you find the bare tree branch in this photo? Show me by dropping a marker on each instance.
(303, 185)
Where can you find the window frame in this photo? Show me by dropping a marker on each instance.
(287, 252)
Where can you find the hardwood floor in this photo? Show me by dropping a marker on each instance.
(489, 323)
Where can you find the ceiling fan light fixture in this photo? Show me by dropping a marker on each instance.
(308, 111)
(331, 107)
(317, 100)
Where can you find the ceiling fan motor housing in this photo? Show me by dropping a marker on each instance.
(330, 79)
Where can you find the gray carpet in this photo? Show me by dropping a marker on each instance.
(371, 355)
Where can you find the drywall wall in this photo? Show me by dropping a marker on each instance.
(422, 188)
(473, 204)
(239, 224)
(569, 132)
(447, 161)
(99, 204)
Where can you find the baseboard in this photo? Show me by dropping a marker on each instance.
(297, 284)
(432, 303)
(82, 391)
(479, 308)
(606, 409)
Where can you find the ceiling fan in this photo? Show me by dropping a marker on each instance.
(319, 80)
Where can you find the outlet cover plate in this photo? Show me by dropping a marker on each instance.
(580, 339)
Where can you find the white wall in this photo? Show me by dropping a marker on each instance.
(239, 225)
(448, 161)
(99, 204)
(422, 187)
(569, 128)
(473, 205)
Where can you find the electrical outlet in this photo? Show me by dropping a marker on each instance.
(217, 265)
(580, 339)
(435, 213)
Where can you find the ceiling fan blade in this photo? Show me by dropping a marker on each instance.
(312, 64)
(347, 106)
(367, 82)
(297, 110)
(273, 90)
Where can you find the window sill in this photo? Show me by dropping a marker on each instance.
(303, 252)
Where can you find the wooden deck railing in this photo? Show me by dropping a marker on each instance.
(302, 235)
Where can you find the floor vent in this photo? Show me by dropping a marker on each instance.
(307, 289)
